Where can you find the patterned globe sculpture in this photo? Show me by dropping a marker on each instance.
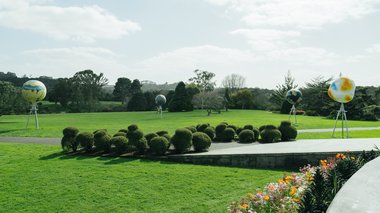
(294, 96)
(160, 100)
(342, 90)
(33, 91)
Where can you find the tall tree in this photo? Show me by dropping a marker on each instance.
(61, 92)
(278, 96)
(181, 100)
(122, 89)
(135, 87)
(203, 79)
(233, 82)
(211, 101)
(137, 102)
(243, 98)
(11, 100)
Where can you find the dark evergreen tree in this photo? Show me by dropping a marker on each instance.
(61, 92)
(181, 100)
(150, 100)
(135, 87)
(122, 89)
(137, 102)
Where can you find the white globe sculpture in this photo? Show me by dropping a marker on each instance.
(160, 101)
(33, 91)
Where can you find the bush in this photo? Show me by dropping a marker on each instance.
(288, 132)
(159, 145)
(248, 126)
(191, 128)
(124, 130)
(120, 144)
(210, 132)
(132, 127)
(270, 134)
(120, 134)
(182, 140)
(150, 136)
(202, 127)
(70, 131)
(246, 136)
(161, 133)
(239, 130)
(233, 127)
(69, 143)
(140, 145)
(201, 141)
(135, 135)
(228, 134)
(100, 130)
(86, 140)
(261, 128)
(219, 131)
(102, 141)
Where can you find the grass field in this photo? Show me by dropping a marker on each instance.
(51, 125)
(37, 178)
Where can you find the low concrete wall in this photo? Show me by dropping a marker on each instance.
(361, 193)
(278, 160)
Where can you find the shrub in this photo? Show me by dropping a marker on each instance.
(181, 140)
(162, 132)
(86, 140)
(102, 141)
(120, 144)
(100, 130)
(210, 132)
(223, 122)
(140, 145)
(135, 135)
(270, 134)
(124, 130)
(239, 130)
(288, 132)
(248, 126)
(219, 131)
(228, 134)
(246, 136)
(132, 127)
(70, 131)
(233, 127)
(191, 128)
(120, 134)
(69, 143)
(261, 128)
(159, 145)
(150, 136)
(201, 141)
(202, 127)
(257, 133)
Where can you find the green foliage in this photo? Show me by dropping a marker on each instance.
(120, 143)
(100, 130)
(239, 129)
(181, 100)
(69, 144)
(255, 130)
(86, 140)
(120, 134)
(233, 127)
(242, 99)
(122, 89)
(70, 131)
(137, 103)
(246, 136)
(102, 141)
(288, 132)
(191, 128)
(201, 141)
(270, 134)
(150, 136)
(248, 126)
(307, 202)
(228, 134)
(278, 96)
(318, 191)
(61, 92)
(261, 128)
(135, 135)
(123, 130)
(132, 127)
(210, 132)
(202, 127)
(182, 140)
(219, 129)
(203, 80)
(140, 145)
(162, 132)
(159, 145)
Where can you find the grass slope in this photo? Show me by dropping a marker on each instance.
(52, 124)
(37, 178)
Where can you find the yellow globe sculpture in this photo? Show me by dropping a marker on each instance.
(33, 91)
(342, 90)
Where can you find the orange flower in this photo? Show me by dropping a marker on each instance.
(293, 190)
(266, 197)
(296, 200)
(245, 205)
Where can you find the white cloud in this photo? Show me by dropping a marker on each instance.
(267, 39)
(298, 13)
(85, 24)
(374, 49)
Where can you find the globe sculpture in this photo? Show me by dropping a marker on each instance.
(342, 90)
(160, 101)
(33, 91)
(293, 96)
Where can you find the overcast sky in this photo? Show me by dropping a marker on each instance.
(166, 40)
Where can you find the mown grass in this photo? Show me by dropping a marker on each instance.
(38, 178)
(51, 125)
(338, 134)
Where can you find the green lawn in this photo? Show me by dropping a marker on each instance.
(37, 178)
(338, 134)
(52, 124)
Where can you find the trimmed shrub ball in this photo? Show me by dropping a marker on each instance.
(219, 131)
(100, 130)
(162, 132)
(86, 140)
(270, 134)
(210, 132)
(191, 128)
(288, 132)
(255, 130)
(223, 122)
(102, 141)
(135, 135)
(120, 143)
(120, 134)
(233, 127)
(239, 129)
(124, 130)
(182, 140)
(246, 136)
(202, 127)
(201, 141)
(132, 127)
(248, 126)
(140, 145)
(159, 145)
(150, 136)
(70, 131)
(261, 128)
(228, 134)
(69, 143)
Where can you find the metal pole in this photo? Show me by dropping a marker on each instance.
(295, 114)
(336, 121)
(342, 121)
(345, 118)
(27, 121)
(36, 116)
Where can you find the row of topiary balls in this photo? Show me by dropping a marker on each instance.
(132, 139)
